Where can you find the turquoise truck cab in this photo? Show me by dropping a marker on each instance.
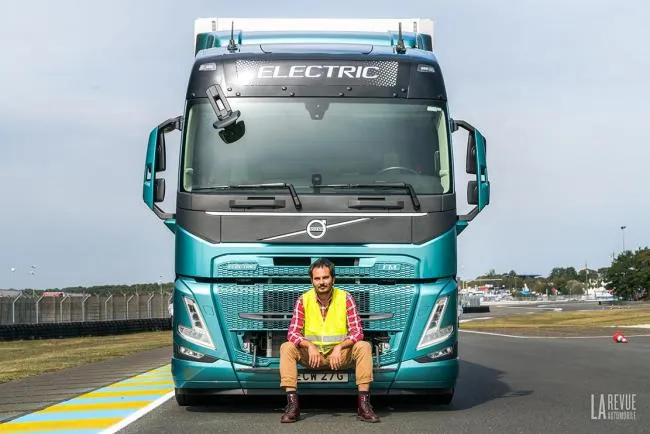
(300, 143)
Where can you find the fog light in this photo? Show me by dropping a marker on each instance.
(190, 353)
(440, 353)
(184, 353)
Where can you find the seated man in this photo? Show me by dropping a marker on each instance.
(325, 333)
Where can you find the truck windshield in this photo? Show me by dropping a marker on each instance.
(320, 141)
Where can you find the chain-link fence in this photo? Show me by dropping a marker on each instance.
(63, 308)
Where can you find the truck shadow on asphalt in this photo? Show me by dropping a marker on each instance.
(476, 385)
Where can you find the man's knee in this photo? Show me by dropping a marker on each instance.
(362, 348)
(289, 349)
(287, 346)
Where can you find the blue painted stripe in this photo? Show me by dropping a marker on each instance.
(100, 399)
(74, 415)
(153, 374)
(147, 379)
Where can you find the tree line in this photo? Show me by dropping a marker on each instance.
(627, 277)
(139, 288)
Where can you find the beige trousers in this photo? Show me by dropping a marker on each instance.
(290, 356)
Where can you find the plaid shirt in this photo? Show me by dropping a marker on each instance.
(355, 332)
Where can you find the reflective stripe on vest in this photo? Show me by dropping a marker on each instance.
(333, 330)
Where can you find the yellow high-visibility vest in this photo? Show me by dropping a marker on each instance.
(331, 331)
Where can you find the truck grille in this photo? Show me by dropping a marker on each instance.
(281, 298)
(381, 270)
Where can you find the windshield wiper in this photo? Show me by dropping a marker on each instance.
(270, 186)
(394, 186)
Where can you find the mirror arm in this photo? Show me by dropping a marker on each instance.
(466, 126)
(172, 124)
(470, 215)
(162, 215)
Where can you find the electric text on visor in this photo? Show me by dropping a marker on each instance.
(318, 71)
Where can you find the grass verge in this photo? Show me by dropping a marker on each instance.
(566, 324)
(582, 319)
(21, 359)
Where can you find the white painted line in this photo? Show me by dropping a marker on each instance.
(138, 414)
(555, 309)
(547, 337)
(475, 319)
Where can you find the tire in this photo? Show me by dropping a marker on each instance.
(186, 400)
(442, 398)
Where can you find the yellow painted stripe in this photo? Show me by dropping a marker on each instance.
(57, 425)
(123, 393)
(141, 383)
(94, 406)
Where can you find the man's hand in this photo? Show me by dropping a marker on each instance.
(314, 356)
(335, 358)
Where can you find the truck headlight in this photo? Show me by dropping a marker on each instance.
(433, 334)
(198, 333)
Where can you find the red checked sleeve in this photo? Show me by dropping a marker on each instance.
(297, 323)
(355, 332)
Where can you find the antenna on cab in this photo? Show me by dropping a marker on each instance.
(400, 47)
(232, 46)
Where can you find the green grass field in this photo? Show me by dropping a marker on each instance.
(20, 359)
(578, 319)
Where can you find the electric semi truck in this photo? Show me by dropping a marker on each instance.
(303, 139)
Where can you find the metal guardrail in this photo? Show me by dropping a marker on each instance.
(79, 329)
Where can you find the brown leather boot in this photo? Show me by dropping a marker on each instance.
(292, 410)
(365, 411)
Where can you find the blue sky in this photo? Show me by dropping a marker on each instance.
(559, 88)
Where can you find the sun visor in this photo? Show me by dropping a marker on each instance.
(317, 73)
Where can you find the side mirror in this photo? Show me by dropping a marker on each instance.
(159, 190)
(470, 159)
(161, 159)
(153, 188)
(472, 192)
(478, 191)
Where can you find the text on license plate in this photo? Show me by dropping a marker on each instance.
(323, 377)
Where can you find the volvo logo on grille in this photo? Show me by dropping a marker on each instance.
(316, 228)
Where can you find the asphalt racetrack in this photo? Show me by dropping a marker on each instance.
(506, 385)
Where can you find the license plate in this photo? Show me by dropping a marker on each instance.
(322, 377)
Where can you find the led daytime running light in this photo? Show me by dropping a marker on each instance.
(433, 334)
(198, 333)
